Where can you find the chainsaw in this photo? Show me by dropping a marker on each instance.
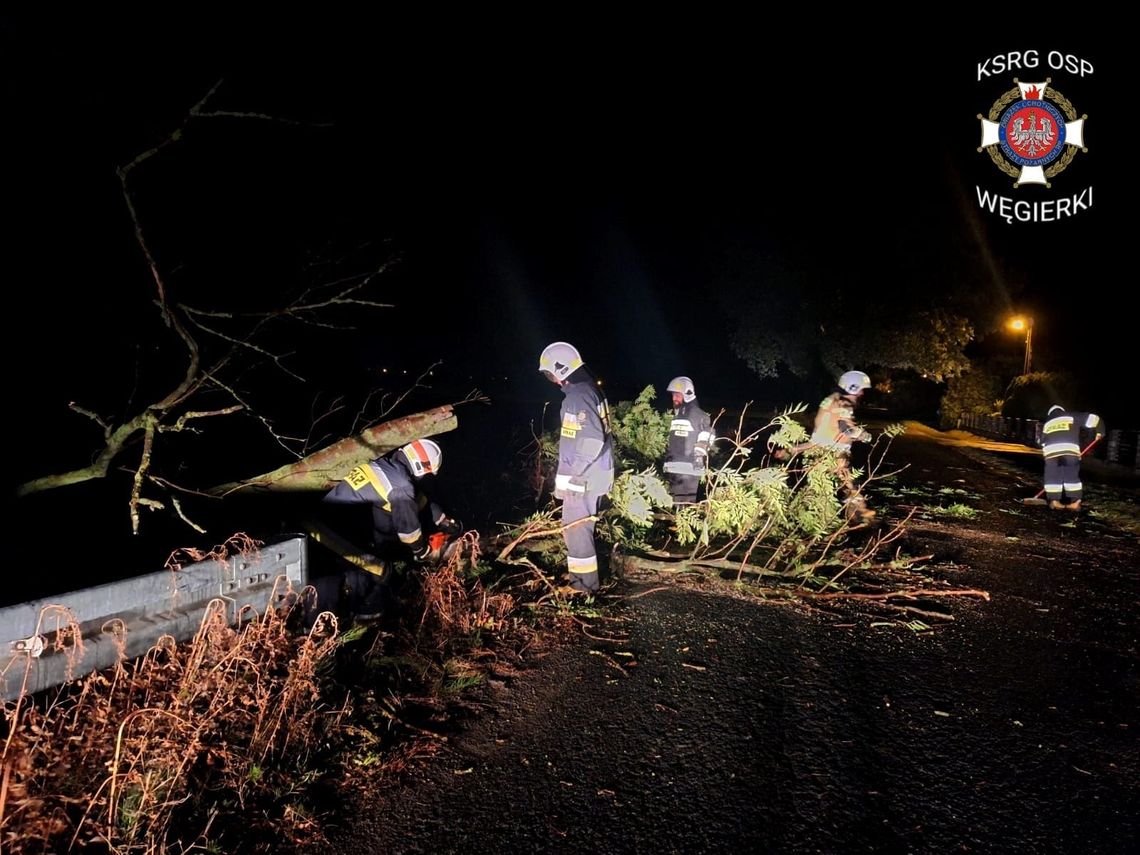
(442, 546)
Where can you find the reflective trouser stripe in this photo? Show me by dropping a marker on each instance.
(1062, 477)
(410, 536)
(581, 556)
(580, 537)
(1072, 490)
(582, 565)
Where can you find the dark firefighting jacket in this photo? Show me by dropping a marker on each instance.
(390, 488)
(690, 434)
(585, 445)
(835, 426)
(1061, 433)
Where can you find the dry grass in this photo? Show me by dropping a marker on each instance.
(452, 608)
(191, 742)
(221, 743)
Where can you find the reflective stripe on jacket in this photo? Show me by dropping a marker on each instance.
(388, 485)
(1061, 434)
(585, 445)
(690, 434)
(835, 426)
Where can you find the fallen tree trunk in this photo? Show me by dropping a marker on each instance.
(321, 470)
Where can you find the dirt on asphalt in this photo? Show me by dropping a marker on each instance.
(692, 717)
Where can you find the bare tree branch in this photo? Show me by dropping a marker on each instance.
(233, 349)
(364, 418)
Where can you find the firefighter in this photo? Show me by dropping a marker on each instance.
(1060, 445)
(400, 513)
(835, 429)
(585, 458)
(690, 434)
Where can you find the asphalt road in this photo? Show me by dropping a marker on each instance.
(715, 723)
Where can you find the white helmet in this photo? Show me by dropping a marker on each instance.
(1055, 408)
(683, 385)
(854, 382)
(560, 360)
(424, 456)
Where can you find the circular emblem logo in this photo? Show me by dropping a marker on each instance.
(1032, 133)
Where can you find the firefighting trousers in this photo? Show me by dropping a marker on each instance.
(1063, 478)
(365, 592)
(683, 488)
(854, 505)
(582, 557)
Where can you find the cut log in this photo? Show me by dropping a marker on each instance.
(321, 470)
(670, 563)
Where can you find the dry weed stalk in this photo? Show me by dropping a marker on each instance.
(149, 756)
(450, 608)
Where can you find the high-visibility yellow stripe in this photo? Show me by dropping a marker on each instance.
(376, 568)
(604, 414)
(365, 474)
(349, 552)
(582, 565)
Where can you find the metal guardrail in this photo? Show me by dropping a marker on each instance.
(126, 619)
(1122, 447)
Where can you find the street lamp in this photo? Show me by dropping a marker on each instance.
(1025, 323)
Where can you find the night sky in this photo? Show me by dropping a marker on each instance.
(583, 180)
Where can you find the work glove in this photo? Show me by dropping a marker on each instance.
(426, 552)
(450, 526)
(700, 461)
